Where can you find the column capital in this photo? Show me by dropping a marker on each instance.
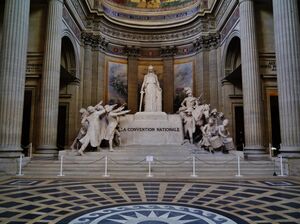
(211, 41)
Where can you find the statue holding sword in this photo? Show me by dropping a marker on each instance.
(151, 94)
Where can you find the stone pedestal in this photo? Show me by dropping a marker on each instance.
(12, 75)
(151, 128)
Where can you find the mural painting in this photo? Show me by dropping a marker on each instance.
(183, 77)
(117, 83)
(152, 3)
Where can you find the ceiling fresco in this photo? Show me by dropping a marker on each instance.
(153, 4)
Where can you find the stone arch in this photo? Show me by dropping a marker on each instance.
(70, 53)
(232, 86)
(69, 90)
(232, 53)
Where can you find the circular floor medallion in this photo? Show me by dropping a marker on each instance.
(152, 214)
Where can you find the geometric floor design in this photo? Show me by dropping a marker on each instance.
(149, 202)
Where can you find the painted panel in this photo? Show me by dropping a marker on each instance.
(117, 83)
(152, 3)
(183, 77)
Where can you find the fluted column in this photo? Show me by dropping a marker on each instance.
(213, 78)
(287, 42)
(50, 81)
(251, 82)
(87, 73)
(87, 79)
(12, 75)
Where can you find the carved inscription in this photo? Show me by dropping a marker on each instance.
(131, 129)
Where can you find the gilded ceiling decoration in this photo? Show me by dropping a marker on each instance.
(151, 13)
(154, 4)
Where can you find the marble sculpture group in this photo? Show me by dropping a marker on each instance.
(100, 122)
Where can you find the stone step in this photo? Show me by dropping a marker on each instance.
(169, 161)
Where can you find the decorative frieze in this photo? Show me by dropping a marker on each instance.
(132, 51)
(98, 42)
(168, 51)
(117, 32)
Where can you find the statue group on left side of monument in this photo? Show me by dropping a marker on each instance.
(98, 123)
(199, 121)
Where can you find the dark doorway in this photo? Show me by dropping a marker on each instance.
(62, 126)
(239, 127)
(25, 138)
(276, 139)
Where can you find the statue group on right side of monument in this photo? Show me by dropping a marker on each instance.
(209, 127)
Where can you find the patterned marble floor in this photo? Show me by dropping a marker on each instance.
(149, 202)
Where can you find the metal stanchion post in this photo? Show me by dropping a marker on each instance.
(149, 169)
(281, 167)
(194, 167)
(20, 166)
(61, 174)
(239, 167)
(105, 168)
(149, 159)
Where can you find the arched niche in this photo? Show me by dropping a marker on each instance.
(68, 95)
(233, 72)
(232, 88)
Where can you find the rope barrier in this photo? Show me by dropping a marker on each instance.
(214, 163)
(83, 163)
(172, 164)
(117, 162)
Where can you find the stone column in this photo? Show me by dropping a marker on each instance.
(287, 42)
(198, 73)
(168, 87)
(98, 76)
(87, 67)
(132, 76)
(101, 74)
(251, 82)
(213, 78)
(12, 75)
(50, 81)
(206, 81)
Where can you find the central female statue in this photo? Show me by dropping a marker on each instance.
(151, 92)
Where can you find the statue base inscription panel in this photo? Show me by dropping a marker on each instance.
(151, 128)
